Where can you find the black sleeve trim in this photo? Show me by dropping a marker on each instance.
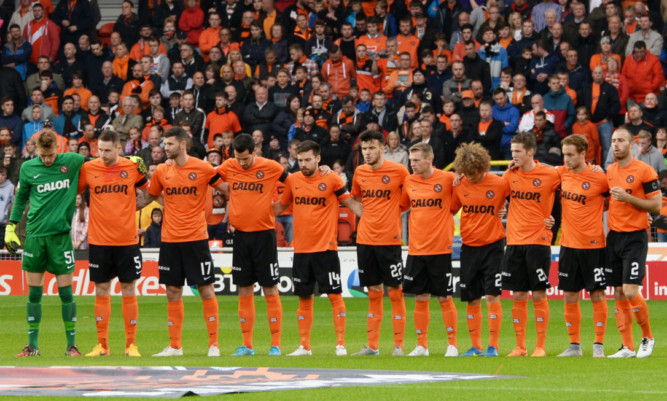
(214, 179)
(284, 175)
(651, 186)
(141, 182)
(341, 191)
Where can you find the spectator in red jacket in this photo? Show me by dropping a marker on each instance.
(192, 22)
(643, 72)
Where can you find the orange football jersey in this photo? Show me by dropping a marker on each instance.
(638, 179)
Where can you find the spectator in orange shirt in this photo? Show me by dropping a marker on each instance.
(586, 128)
(338, 71)
(79, 89)
(210, 37)
(400, 79)
(407, 42)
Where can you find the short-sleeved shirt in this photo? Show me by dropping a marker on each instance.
(531, 200)
(251, 192)
(480, 203)
(315, 201)
(52, 193)
(113, 201)
(431, 220)
(380, 193)
(184, 190)
(582, 198)
(638, 179)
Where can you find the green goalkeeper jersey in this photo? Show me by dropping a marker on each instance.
(52, 193)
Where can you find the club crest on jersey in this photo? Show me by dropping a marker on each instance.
(386, 179)
(260, 174)
(193, 176)
(586, 185)
(630, 179)
(123, 174)
(64, 169)
(537, 182)
(322, 187)
(437, 188)
(490, 194)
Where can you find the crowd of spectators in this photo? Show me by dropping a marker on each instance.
(443, 72)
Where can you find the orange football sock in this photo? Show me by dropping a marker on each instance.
(422, 317)
(450, 317)
(474, 318)
(640, 309)
(519, 319)
(398, 315)
(624, 322)
(600, 316)
(573, 322)
(211, 316)
(274, 312)
(495, 316)
(339, 313)
(130, 316)
(304, 316)
(175, 313)
(375, 311)
(247, 318)
(102, 314)
(541, 321)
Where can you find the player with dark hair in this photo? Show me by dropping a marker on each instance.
(49, 183)
(528, 253)
(378, 185)
(184, 251)
(315, 201)
(634, 189)
(113, 237)
(252, 181)
(481, 196)
(428, 194)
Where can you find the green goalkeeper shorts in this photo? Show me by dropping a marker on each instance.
(53, 254)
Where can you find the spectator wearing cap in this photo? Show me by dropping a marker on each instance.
(600, 59)
(494, 54)
(127, 24)
(192, 21)
(643, 72)
(467, 109)
(78, 88)
(310, 130)
(273, 150)
(174, 53)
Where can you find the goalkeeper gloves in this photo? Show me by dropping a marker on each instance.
(141, 166)
(12, 240)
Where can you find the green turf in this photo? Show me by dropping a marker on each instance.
(544, 379)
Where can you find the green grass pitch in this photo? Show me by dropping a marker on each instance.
(543, 379)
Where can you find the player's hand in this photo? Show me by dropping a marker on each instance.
(230, 228)
(457, 179)
(141, 166)
(12, 241)
(596, 169)
(502, 213)
(512, 166)
(549, 222)
(324, 170)
(619, 194)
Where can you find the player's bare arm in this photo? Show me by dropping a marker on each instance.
(279, 208)
(652, 204)
(144, 198)
(354, 205)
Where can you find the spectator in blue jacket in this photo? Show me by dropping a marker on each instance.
(560, 104)
(508, 115)
(16, 52)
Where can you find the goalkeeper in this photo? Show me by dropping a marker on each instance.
(50, 183)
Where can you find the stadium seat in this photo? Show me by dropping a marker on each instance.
(104, 33)
(347, 226)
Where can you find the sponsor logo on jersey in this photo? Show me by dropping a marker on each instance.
(537, 182)
(64, 169)
(53, 186)
(526, 195)
(322, 187)
(630, 179)
(123, 174)
(181, 191)
(429, 202)
(574, 197)
(110, 189)
(376, 193)
(310, 200)
(479, 209)
(386, 179)
(192, 176)
(260, 175)
(248, 186)
(586, 186)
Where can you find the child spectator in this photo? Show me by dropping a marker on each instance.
(153, 237)
(585, 127)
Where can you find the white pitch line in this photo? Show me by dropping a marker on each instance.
(560, 390)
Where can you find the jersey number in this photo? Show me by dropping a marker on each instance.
(499, 280)
(334, 278)
(137, 262)
(541, 275)
(396, 270)
(598, 274)
(634, 270)
(69, 257)
(205, 268)
(274, 269)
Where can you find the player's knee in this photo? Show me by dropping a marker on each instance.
(65, 294)
(35, 295)
(630, 290)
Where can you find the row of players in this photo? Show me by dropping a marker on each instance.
(381, 190)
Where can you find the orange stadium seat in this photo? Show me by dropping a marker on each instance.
(104, 33)
(347, 226)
